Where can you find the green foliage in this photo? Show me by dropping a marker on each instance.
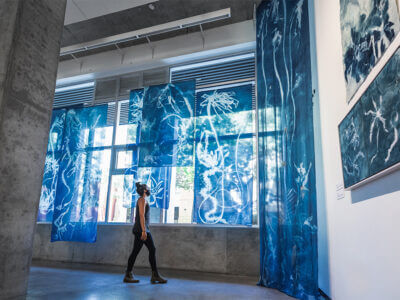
(185, 178)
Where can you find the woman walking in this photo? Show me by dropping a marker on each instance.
(143, 236)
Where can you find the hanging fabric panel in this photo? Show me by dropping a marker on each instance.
(135, 106)
(52, 165)
(288, 220)
(224, 165)
(167, 125)
(157, 179)
(82, 176)
(164, 115)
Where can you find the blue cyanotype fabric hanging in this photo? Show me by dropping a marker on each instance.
(165, 118)
(157, 179)
(287, 194)
(166, 123)
(80, 174)
(52, 165)
(224, 160)
(135, 106)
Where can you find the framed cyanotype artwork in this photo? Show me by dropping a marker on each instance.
(368, 27)
(369, 134)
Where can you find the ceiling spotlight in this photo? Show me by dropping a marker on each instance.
(151, 6)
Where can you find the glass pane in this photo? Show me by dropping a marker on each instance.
(102, 159)
(182, 196)
(118, 211)
(102, 136)
(126, 134)
(92, 183)
(155, 215)
(227, 124)
(121, 208)
(125, 159)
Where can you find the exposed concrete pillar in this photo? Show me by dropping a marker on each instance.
(30, 36)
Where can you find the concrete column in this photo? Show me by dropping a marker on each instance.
(30, 36)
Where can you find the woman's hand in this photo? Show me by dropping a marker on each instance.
(144, 236)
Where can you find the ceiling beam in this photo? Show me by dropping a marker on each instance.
(149, 31)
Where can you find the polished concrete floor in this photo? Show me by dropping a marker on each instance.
(91, 283)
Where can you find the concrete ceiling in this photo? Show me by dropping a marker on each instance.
(83, 10)
(111, 20)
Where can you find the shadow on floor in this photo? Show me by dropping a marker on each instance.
(81, 281)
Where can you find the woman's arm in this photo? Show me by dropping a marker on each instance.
(141, 214)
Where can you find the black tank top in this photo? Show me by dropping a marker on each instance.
(136, 227)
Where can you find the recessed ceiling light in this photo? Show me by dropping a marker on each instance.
(151, 6)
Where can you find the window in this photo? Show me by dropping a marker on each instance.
(210, 176)
(226, 87)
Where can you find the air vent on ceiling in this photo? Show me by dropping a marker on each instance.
(111, 114)
(130, 82)
(80, 94)
(105, 90)
(124, 113)
(155, 76)
(219, 73)
(234, 69)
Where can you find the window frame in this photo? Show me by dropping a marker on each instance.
(118, 99)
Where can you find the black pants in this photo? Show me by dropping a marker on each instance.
(137, 246)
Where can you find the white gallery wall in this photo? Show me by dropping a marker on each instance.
(361, 259)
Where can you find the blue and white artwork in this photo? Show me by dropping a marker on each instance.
(355, 165)
(52, 165)
(81, 170)
(369, 134)
(287, 191)
(368, 27)
(157, 179)
(166, 117)
(224, 163)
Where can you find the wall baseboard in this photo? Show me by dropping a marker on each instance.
(178, 273)
(193, 248)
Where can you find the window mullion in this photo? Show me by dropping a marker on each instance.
(112, 160)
